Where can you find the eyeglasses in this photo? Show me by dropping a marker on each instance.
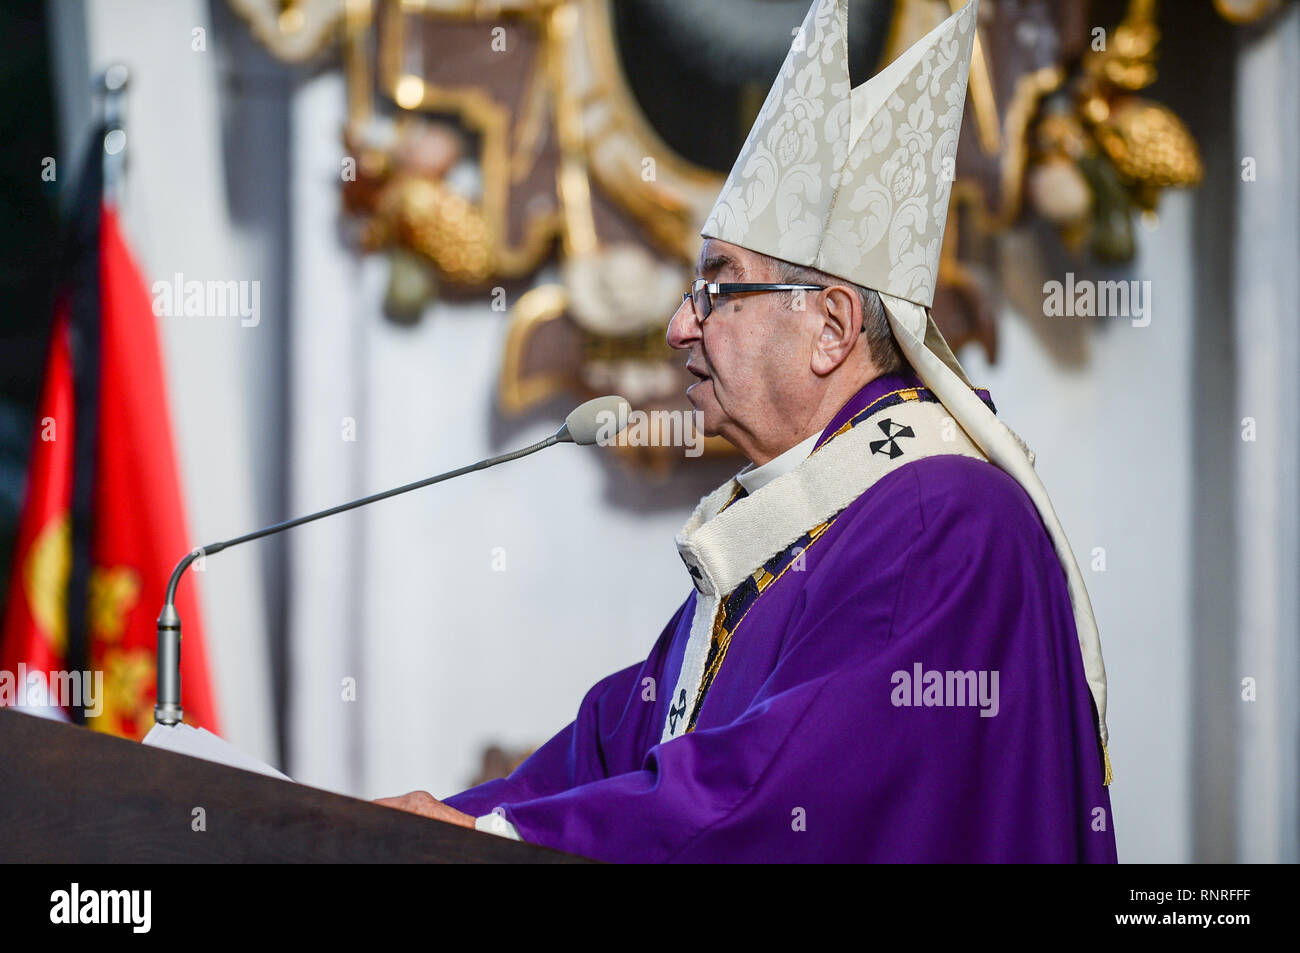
(702, 292)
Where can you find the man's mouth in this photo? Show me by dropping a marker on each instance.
(702, 375)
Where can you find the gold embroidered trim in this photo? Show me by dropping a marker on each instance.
(907, 393)
(720, 632)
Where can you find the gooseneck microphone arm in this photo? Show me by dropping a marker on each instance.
(214, 548)
(167, 709)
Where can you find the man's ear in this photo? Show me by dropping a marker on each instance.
(841, 325)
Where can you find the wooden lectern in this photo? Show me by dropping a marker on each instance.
(72, 795)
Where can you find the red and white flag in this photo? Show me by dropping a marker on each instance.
(136, 527)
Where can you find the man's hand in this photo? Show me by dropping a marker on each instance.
(422, 802)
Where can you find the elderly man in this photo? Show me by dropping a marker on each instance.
(888, 653)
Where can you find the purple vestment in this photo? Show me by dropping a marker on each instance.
(815, 741)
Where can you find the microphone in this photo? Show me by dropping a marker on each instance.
(583, 426)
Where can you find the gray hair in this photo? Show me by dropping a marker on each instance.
(884, 350)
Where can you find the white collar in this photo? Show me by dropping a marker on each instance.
(754, 478)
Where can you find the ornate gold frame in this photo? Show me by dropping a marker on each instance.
(488, 119)
(672, 205)
(1029, 92)
(280, 40)
(515, 392)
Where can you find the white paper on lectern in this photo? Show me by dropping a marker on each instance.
(200, 743)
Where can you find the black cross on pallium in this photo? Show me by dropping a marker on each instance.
(892, 433)
(676, 711)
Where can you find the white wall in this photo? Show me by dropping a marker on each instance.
(1112, 438)
(1268, 391)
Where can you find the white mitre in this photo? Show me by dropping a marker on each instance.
(855, 183)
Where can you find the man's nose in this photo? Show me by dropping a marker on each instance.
(683, 326)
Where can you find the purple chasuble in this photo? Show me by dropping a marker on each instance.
(915, 693)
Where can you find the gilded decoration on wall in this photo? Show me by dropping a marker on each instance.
(1102, 153)
(511, 150)
(1247, 11)
(293, 30)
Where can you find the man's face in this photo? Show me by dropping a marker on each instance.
(747, 354)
